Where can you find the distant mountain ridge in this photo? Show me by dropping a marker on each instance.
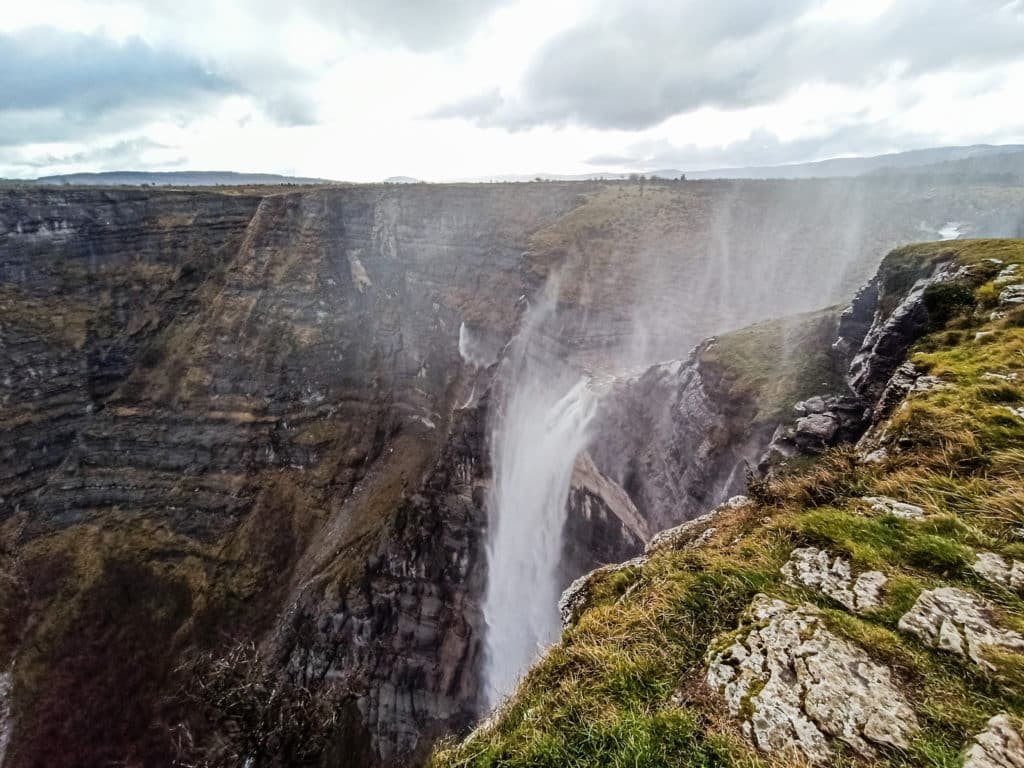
(859, 166)
(977, 160)
(177, 178)
(969, 159)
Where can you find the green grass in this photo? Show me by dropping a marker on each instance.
(623, 687)
(779, 362)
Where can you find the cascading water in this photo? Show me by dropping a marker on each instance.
(534, 444)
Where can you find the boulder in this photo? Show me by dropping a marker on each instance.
(816, 431)
(797, 686)
(1000, 571)
(998, 746)
(953, 620)
(693, 532)
(886, 505)
(1012, 294)
(1007, 274)
(816, 569)
(5, 713)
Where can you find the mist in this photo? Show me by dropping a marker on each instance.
(705, 258)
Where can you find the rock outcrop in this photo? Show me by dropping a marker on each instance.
(260, 416)
(816, 569)
(998, 746)
(677, 439)
(957, 621)
(885, 505)
(576, 598)
(885, 346)
(797, 686)
(999, 570)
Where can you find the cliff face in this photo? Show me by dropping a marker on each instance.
(237, 416)
(861, 606)
(305, 384)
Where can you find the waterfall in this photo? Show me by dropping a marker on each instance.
(536, 437)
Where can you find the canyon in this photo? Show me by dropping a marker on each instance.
(283, 418)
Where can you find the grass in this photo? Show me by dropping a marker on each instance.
(623, 687)
(777, 363)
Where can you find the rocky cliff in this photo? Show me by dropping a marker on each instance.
(260, 417)
(858, 607)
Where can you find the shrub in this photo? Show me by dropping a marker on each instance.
(944, 301)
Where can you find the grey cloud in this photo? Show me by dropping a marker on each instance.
(291, 109)
(61, 86)
(134, 154)
(420, 25)
(764, 148)
(616, 161)
(43, 68)
(634, 64)
(417, 24)
(481, 103)
(128, 153)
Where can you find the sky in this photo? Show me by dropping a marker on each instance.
(362, 90)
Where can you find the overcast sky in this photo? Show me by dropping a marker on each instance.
(365, 89)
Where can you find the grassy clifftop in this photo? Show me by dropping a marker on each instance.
(628, 684)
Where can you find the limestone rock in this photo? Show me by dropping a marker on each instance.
(798, 686)
(815, 568)
(1008, 274)
(905, 380)
(817, 427)
(693, 532)
(576, 598)
(957, 621)
(998, 746)
(886, 505)
(1012, 294)
(5, 713)
(876, 456)
(999, 570)
(886, 343)
(825, 420)
(811, 405)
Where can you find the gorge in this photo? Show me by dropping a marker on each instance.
(375, 431)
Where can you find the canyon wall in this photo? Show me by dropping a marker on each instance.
(236, 416)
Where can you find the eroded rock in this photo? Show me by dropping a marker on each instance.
(1012, 294)
(953, 620)
(998, 746)
(797, 686)
(1007, 274)
(832, 576)
(576, 598)
(998, 570)
(886, 505)
(693, 532)
(5, 713)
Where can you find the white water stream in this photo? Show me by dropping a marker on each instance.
(540, 430)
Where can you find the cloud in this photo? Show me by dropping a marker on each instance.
(472, 106)
(43, 68)
(762, 147)
(633, 64)
(134, 154)
(418, 25)
(60, 85)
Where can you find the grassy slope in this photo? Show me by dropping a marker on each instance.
(776, 363)
(623, 687)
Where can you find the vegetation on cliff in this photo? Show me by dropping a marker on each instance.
(628, 683)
